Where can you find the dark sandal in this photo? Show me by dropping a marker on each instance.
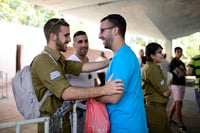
(173, 123)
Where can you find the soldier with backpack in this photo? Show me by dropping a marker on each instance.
(48, 75)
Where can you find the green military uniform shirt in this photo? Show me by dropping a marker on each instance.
(153, 83)
(47, 74)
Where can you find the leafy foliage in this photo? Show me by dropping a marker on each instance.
(190, 44)
(22, 12)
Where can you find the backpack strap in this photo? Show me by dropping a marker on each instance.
(46, 94)
(45, 52)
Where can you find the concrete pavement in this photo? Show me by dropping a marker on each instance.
(191, 116)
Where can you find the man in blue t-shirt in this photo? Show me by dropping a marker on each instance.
(126, 111)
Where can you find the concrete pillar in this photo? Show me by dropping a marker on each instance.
(168, 49)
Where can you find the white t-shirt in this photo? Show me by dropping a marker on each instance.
(84, 79)
(104, 69)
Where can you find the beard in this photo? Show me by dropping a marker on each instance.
(61, 46)
(108, 43)
(83, 51)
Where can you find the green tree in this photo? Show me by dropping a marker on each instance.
(190, 44)
(22, 12)
(143, 40)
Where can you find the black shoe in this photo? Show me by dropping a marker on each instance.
(182, 129)
(173, 123)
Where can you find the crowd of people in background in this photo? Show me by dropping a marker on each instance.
(135, 90)
(174, 72)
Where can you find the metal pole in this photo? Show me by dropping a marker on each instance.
(18, 124)
(6, 85)
(74, 117)
(46, 125)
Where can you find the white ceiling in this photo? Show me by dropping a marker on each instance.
(162, 19)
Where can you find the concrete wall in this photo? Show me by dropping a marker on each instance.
(33, 42)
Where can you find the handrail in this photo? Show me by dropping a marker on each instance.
(3, 85)
(18, 124)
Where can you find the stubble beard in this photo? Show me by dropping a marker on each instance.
(108, 44)
(61, 46)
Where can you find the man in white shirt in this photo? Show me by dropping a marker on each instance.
(81, 45)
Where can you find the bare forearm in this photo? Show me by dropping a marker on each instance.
(180, 71)
(77, 93)
(93, 66)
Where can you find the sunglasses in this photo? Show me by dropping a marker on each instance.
(59, 21)
(160, 52)
(103, 29)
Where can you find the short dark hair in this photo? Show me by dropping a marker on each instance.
(53, 26)
(78, 33)
(118, 21)
(151, 49)
(177, 48)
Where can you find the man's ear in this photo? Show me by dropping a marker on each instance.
(53, 36)
(115, 30)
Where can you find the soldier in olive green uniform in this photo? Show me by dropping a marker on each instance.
(49, 74)
(155, 90)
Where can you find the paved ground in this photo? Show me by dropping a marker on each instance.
(9, 113)
(191, 116)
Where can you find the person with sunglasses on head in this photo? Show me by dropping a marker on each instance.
(126, 111)
(156, 91)
(50, 75)
(81, 46)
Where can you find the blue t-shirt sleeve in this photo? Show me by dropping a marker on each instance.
(121, 68)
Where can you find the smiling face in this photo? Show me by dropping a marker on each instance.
(62, 39)
(106, 33)
(81, 45)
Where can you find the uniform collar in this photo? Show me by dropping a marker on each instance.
(56, 55)
(151, 63)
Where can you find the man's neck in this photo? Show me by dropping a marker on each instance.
(116, 47)
(83, 59)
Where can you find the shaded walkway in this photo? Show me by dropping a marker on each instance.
(191, 116)
(9, 113)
